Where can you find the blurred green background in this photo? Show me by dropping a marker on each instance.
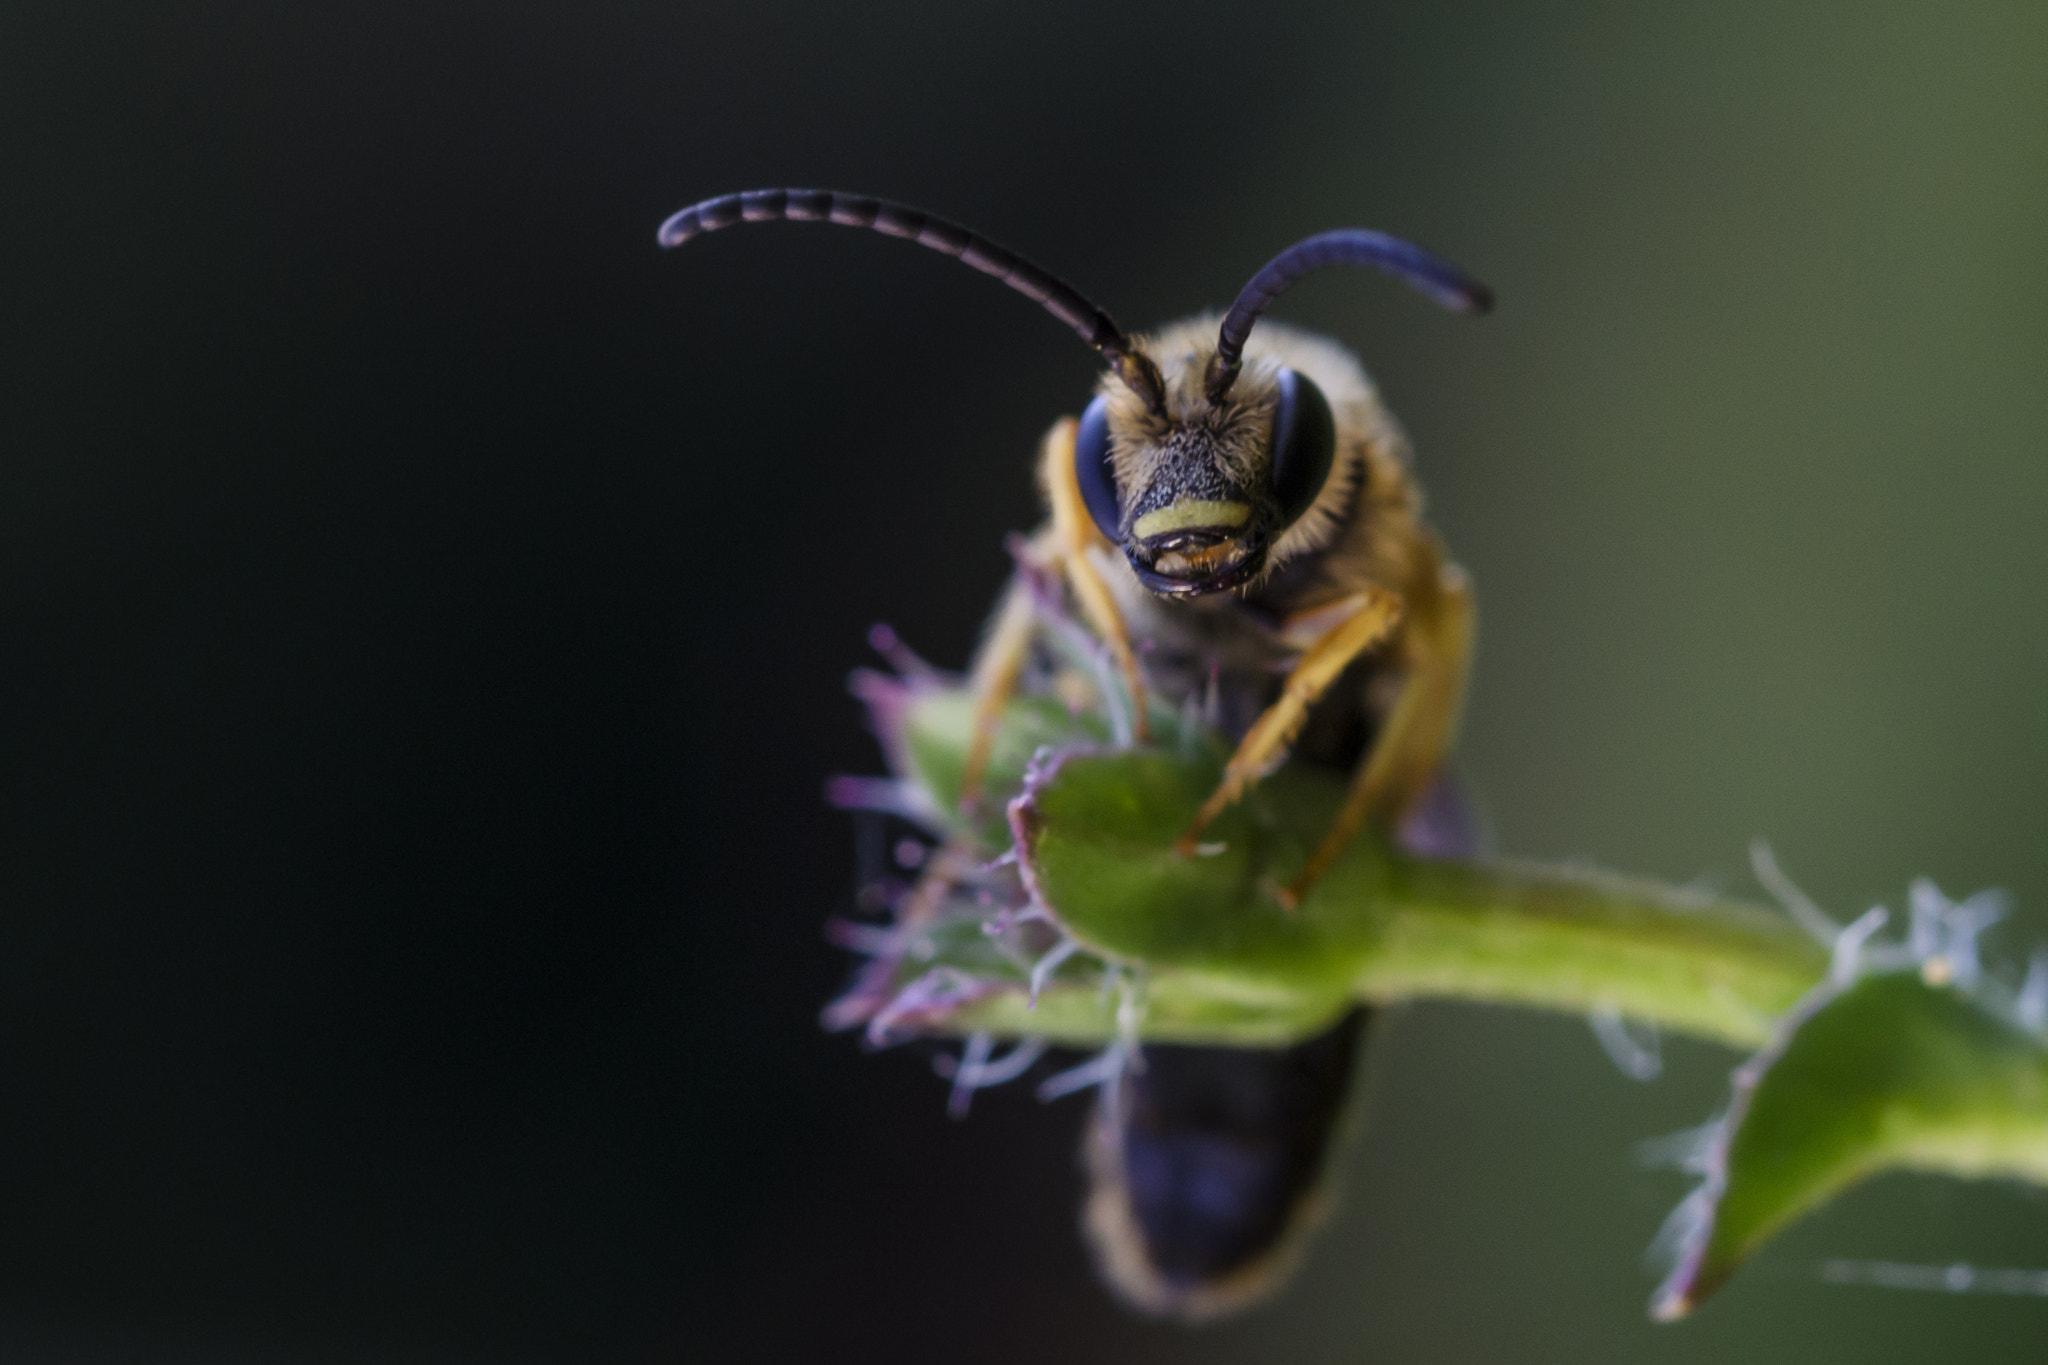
(425, 610)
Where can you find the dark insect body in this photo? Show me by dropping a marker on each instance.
(1235, 500)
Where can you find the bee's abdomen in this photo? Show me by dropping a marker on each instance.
(1208, 1166)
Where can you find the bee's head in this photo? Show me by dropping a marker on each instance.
(1192, 464)
(1196, 492)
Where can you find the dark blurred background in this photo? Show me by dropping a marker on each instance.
(425, 606)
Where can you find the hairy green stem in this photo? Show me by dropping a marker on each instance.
(1223, 962)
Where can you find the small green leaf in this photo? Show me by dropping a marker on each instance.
(1889, 1073)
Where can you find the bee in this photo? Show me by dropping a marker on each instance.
(1234, 515)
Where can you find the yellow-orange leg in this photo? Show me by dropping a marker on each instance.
(1074, 536)
(1418, 730)
(1264, 746)
(1003, 655)
(996, 670)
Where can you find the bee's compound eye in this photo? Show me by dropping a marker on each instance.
(1304, 442)
(1093, 470)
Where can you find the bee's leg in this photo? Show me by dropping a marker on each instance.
(1418, 731)
(1371, 619)
(1074, 536)
(996, 669)
(1003, 655)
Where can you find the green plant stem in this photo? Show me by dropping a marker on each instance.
(1224, 963)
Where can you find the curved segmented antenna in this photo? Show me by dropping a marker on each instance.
(1055, 295)
(1430, 274)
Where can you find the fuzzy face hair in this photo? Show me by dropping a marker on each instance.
(1217, 458)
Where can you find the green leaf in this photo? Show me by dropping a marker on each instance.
(1890, 1073)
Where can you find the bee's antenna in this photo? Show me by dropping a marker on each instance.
(1431, 274)
(1055, 295)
